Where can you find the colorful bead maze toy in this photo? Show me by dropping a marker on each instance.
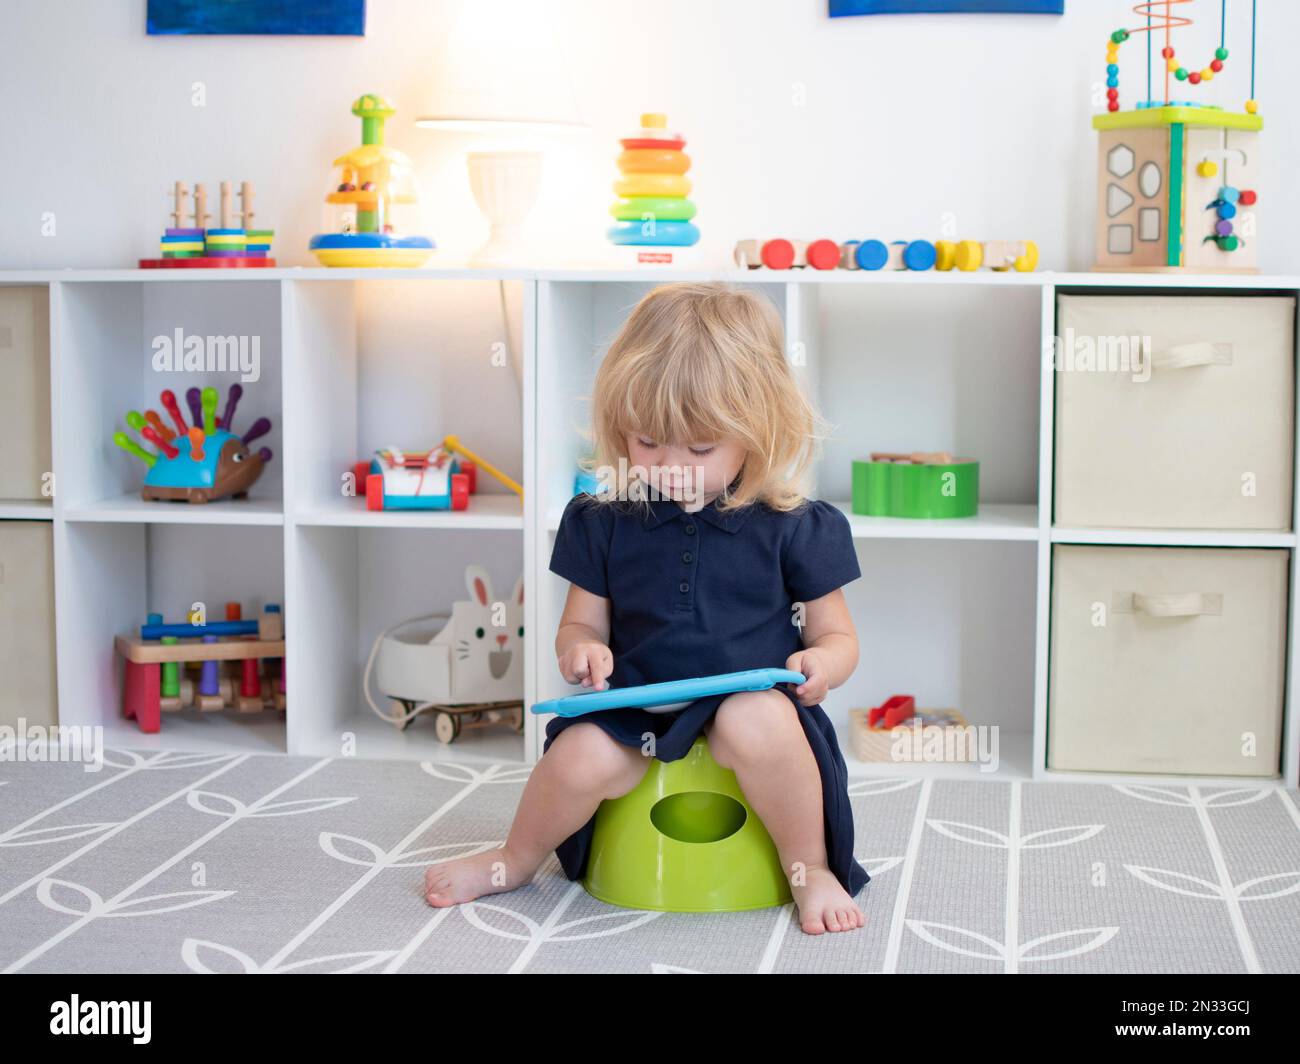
(372, 195)
(226, 247)
(230, 664)
(1177, 179)
(653, 215)
(201, 462)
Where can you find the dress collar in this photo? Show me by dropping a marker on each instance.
(664, 510)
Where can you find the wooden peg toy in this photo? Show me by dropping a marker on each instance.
(179, 194)
(200, 206)
(227, 206)
(246, 204)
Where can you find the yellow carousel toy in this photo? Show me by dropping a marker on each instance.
(373, 199)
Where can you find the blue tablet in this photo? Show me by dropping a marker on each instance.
(668, 697)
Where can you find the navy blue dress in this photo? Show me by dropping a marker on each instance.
(700, 593)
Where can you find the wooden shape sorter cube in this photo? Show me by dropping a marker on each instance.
(1177, 190)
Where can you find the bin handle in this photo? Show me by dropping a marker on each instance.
(1183, 604)
(1199, 353)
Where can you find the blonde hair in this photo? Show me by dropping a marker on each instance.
(702, 362)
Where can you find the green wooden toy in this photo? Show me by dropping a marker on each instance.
(925, 486)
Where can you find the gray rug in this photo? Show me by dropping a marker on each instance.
(167, 862)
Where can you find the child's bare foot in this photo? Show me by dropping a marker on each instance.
(490, 872)
(824, 905)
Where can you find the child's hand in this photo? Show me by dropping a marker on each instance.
(816, 683)
(589, 663)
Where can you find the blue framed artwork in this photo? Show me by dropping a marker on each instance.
(332, 18)
(844, 8)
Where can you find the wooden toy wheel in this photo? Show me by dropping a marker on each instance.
(459, 491)
(470, 470)
(374, 493)
(969, 255)
(399, 708)
(778, 254)
(361, 474)
(945, 255)
(446, 727)
(1028, 262)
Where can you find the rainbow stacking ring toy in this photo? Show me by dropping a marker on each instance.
(652, 210)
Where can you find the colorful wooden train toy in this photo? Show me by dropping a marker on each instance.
(228, 246)
(439, 479)
(232, 664)
(919, 255)
(372, 195)
(652, 214)
(200, 462)
(1178, 179)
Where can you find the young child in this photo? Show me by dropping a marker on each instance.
(706, 559)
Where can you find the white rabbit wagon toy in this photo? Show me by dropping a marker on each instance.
(466, 667)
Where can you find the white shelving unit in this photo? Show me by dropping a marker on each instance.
(956, 612)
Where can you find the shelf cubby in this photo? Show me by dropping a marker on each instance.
(111, 575)
(120, 346)
(955, 612)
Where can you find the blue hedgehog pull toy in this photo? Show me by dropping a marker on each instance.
(197, 463)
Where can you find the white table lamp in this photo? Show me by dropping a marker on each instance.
(500, 77)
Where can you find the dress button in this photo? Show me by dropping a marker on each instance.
(683, 587)
(687, 556)
(690, 530)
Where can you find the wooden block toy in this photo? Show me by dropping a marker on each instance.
(915, 457)
(885, 734)
(822, 255)
(748, 254)
(240, 666)
(877, 255)
(917, 485)
(782, 254)
(871, 255)
(970, 255)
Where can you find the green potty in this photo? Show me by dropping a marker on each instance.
(684, 840)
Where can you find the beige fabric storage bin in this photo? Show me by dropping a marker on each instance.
(27, 622)
(1190, 656)
(1172, 451)
(24, 391)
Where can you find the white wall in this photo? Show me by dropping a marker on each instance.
(799, 124)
